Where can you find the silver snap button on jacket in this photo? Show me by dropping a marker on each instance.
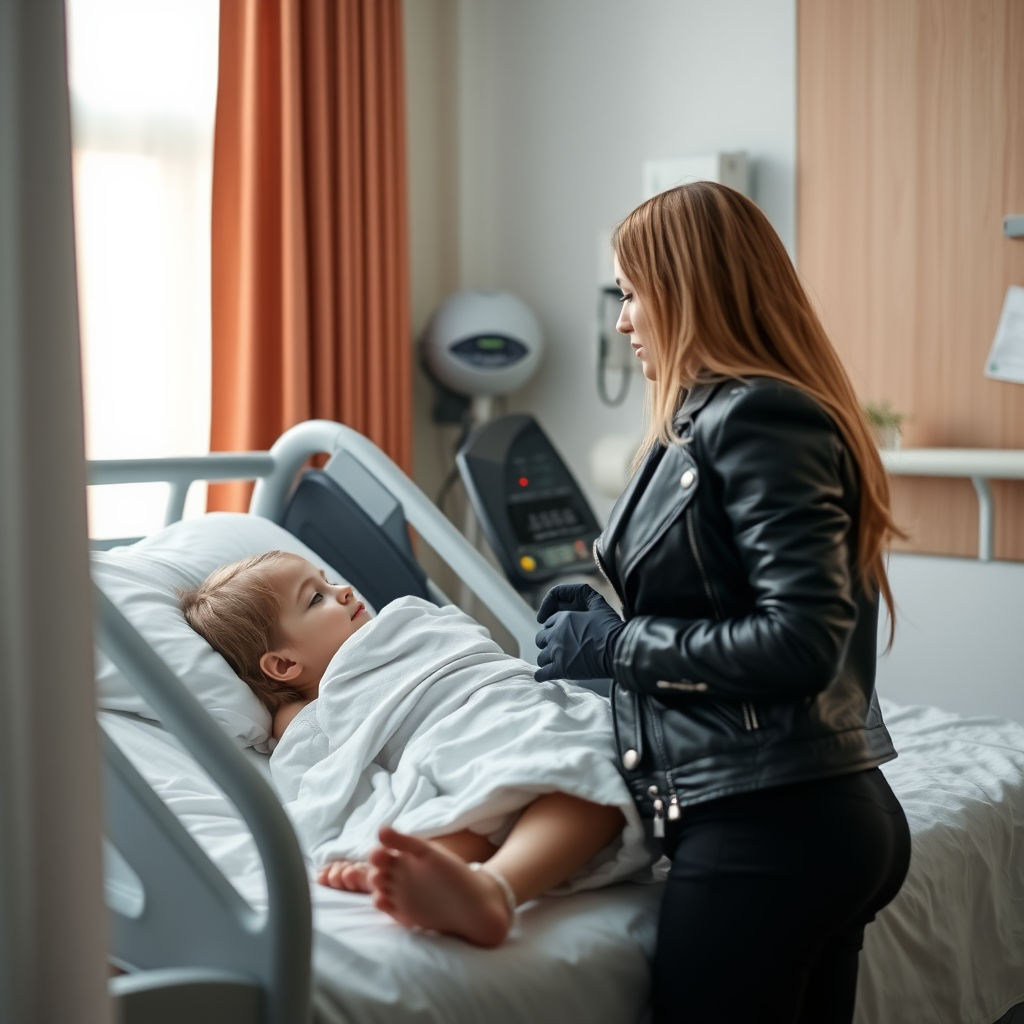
(630, 759)
(686, 480)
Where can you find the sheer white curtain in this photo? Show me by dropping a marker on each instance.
(143, 78)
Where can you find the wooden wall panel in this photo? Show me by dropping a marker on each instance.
(910, 152)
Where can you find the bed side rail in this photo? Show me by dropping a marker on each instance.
(275, 946)
(979, 465)
(181, 473)
(275, 473)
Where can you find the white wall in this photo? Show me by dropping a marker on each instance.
(560, 102)
(958, 641)
(528, 123)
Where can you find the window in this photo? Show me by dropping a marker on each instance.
(143, 79)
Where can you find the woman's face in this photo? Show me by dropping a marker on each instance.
(633, 322)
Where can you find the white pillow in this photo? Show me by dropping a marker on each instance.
(143, 579)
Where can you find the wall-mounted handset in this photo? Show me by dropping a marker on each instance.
(613, 349)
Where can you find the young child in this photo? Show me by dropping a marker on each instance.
(278, 623)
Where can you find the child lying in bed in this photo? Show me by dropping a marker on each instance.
(279, 623)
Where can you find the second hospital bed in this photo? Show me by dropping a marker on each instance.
(188, 811)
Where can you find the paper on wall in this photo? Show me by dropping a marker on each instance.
(1006, 359)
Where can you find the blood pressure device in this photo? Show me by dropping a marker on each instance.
(533, 513)
(482, 343)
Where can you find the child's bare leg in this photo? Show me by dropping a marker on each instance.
(420, 883)
(353, 876)
(467, 846)
(554, 837)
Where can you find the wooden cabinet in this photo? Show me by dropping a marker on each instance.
(910, 153)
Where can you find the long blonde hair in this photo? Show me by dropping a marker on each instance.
(723, 301)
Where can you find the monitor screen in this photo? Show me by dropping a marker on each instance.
(545, 519)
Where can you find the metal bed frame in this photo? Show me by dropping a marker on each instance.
(228, 963)
(222, 961)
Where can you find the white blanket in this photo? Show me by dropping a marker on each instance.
(424, 723)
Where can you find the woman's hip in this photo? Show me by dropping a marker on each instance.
(845, 835)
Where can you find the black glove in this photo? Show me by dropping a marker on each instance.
(581, 631)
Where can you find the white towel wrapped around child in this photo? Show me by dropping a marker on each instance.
(425, 724)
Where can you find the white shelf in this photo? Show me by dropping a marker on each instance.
(988, 463)
(979, 465)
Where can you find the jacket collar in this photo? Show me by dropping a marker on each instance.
(696, 398)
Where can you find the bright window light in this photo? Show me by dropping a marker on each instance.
(143, 77)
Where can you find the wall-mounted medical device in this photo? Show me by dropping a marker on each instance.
(613, 349)
(482, 343)
(533, 513)
(1013, 226)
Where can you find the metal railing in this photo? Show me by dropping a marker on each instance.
(275, 472)
(979, 465)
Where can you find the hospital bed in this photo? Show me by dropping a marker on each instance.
(213, 916)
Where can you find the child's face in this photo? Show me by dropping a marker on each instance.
(317, 617)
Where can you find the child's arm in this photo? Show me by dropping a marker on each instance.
(284, 714)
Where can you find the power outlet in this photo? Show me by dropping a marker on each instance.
(732, 169)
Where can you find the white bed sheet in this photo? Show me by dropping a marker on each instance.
(948, 950)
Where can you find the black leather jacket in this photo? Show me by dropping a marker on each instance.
(748, 656)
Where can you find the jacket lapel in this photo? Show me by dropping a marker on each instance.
(620, 514)
(657, 496)
(660, 505)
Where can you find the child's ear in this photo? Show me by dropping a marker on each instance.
(280, 668)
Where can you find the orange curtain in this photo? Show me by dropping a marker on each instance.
(310, 289)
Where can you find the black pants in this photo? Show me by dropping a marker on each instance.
(769, 892)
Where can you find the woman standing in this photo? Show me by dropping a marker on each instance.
(748, 553)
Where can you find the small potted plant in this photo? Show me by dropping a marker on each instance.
(885, 422)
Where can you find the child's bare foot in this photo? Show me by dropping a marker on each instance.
(424, 885)
(350, 875)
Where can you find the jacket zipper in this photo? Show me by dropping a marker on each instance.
(750, 720)
(673, 811)
(692, 534)
(634, 698)
(600, 565)
(660, 813)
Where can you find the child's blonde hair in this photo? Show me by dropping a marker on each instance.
(237, 611)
